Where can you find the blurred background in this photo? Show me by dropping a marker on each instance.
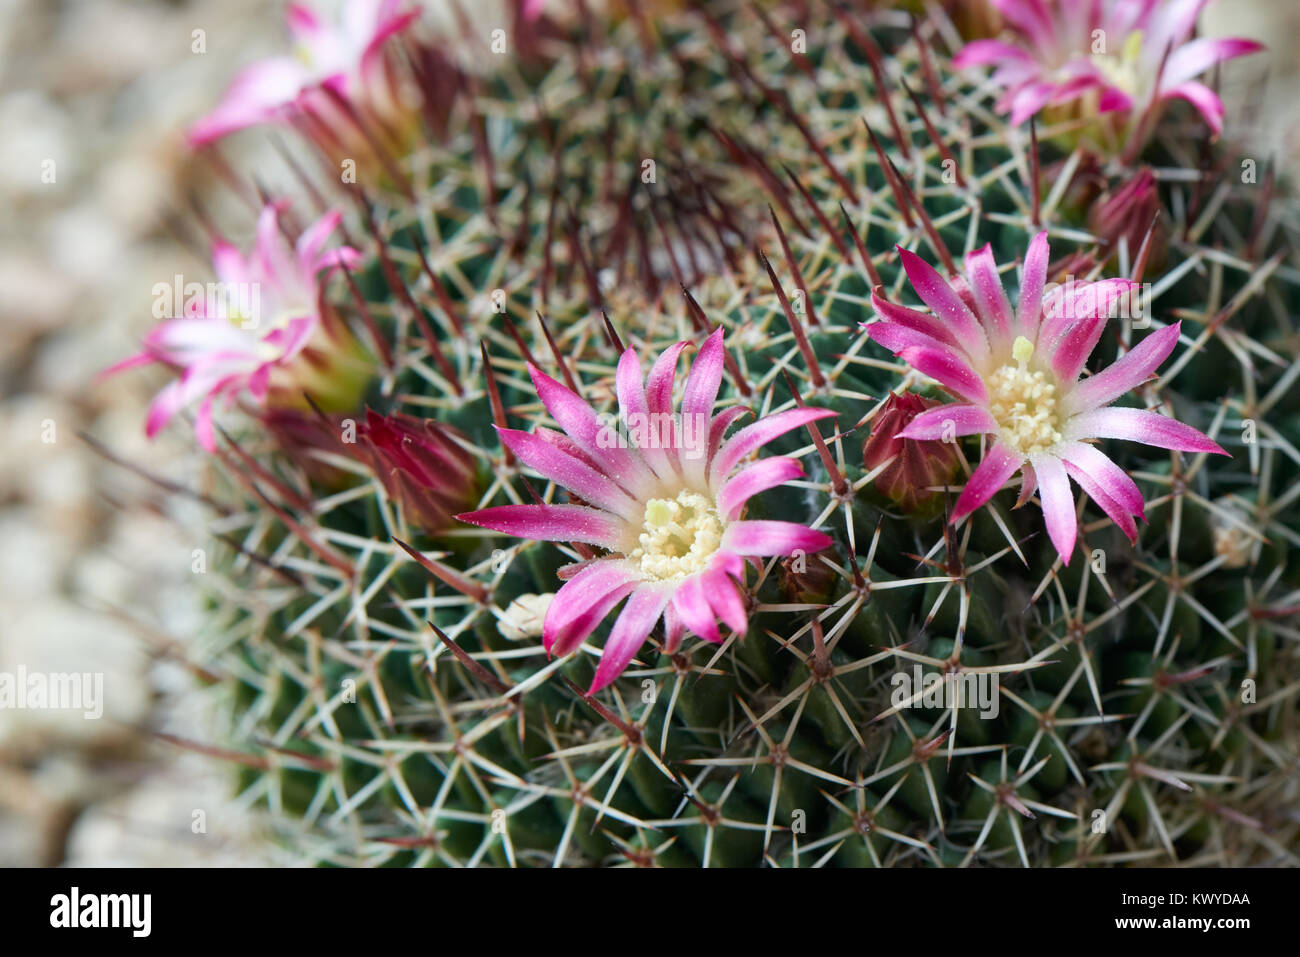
(96, 559)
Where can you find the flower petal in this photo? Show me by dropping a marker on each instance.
(674, 629)
(961, 419)
(630, 631)
(758, 434)
(749, 481)
(1058, 503)
(584, 601)
(1029, 309)
(764, 538)
(991, 298)
(952, 373)
(1205, 100)
(1000, 463)
(1194, 58)
(724, 598)
(254, 96)
(1079, 324)
(1141, 425)
(1122, 518)
(910, 319)
(553, 523)
(943, 300)
(694, 610)
(633, 407)
(571, 472)
(580, 422)
(1126, 373)
(697, 407)
(987, 53)
(1108, 476)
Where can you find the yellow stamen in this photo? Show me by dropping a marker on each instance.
(1023, 401)
(678, 536)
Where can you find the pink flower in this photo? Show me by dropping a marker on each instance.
(256, 331)
(1017, 378)
(1115, 49)
(664, 503)
(346, 58)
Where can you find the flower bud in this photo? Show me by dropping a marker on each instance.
(917, 465)
(422, 465)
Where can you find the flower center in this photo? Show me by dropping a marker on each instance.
(1023, 401)
(677, 536)
(1122, 70)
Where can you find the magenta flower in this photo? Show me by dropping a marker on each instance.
(1130, 54)
(1017, 376)
(664, 504)
(259, 330)
(346, 58)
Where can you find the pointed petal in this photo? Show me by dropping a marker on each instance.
(580, 421)
(659, 383)
(570, 472)
(1079, 325)
(630, 631)
(991, 298)
(764, 538)
(758, 434)
(1205, 100)
(1122, 518)
(584, 601)
(634, 409)
(553, 523)
(674, 629)
(1108, 476)
(718, 428)
(943, 300)
(896, 338)
(705, 378)
(1058, 503)
(1029, 308)
(1194, 58)
(960, 419)
(1126, 373)
(697, 408)
(1141, 425)
(910, 319)
(724, 599)
(694, 609)
(987, 53)
(1000, 463)
(749, 481)
(952, 373)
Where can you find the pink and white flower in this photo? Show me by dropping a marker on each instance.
(1131, 55)
(347, 58)
(1017, 378)
(668, 515)
(273, 351)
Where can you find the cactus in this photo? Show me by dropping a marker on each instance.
(395, 693)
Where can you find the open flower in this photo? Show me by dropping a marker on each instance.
(1017, 376)
(1129, 55)
(260, 331)
(346, 58)
(663, 502)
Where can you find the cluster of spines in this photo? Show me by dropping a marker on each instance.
(447, 737)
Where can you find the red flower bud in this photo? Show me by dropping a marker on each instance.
(916, 464)
(422, 465)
